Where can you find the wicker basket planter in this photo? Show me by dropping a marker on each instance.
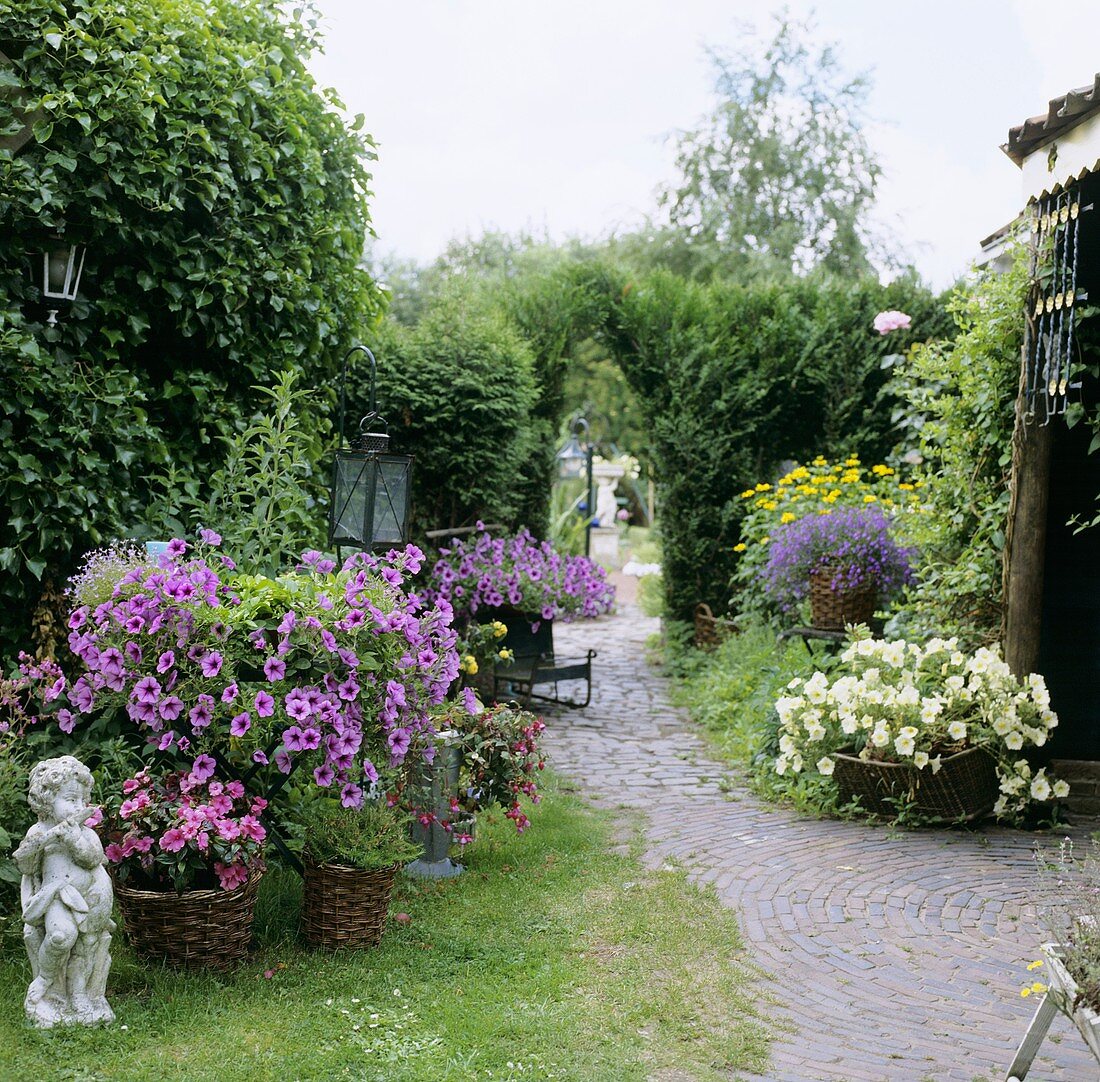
(198, 929)
(344, 907)
(965, 788)
(832, 609)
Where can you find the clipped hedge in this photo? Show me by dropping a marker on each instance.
(458, 390)
(737, 379)
(223, 201)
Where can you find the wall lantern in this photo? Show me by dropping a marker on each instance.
(370, 486)
(61, 269)
(574, 460)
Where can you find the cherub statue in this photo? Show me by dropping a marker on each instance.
(67, 899)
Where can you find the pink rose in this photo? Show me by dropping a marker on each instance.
(885, 322)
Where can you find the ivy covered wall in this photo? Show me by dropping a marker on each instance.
(224, 204)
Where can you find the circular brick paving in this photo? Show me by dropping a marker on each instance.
(887, 956)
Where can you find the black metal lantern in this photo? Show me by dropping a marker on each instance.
(574, 460)
(371, 487)
(62, 266)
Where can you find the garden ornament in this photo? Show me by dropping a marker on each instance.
(66, 898)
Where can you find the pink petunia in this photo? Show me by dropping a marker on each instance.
(265, 704)
(240, 724)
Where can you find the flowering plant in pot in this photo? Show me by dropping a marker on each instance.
(185, 852)
(519, 572)
(351, 856)
(184, 832)
(900, 721)
(847, 555)
(225, 675)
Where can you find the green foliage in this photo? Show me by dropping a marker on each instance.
(263, 496)
(458, 389)
(223, 201)
(779, 177)
(545, 918)
(731, 692)
(73, 439)
(736, 380)
(958, 401)
(371, 837)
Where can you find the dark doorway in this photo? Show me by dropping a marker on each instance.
(1069, 652)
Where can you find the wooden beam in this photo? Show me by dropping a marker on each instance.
(1025, 538)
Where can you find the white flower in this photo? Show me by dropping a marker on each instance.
(848, 723)
(904, 745)
(935, 764)
(781, 765)
(1002, 725)
(787, 744)
(825, 765)
(920, 760)
(1061, 789)
(1040, 787)
(908, 696)
(815, 732)
(957, 730)
(1014, 741)
(930, 710)
(880, 737)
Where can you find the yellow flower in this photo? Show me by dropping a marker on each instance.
(819, 461)
(505, 655)
(1036, 964)
(830, 497)
(469, 664)
(748, 494)
(764, 540)
(499, 629)
(768, 505)
(905, 486)
(1038, 987)
(869, 498)
(1025, 992)
(787, 516)
(851, 460)
(740, 546)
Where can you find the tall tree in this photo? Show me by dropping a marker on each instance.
(779, 176)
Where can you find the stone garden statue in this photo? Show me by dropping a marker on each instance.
(67, 899)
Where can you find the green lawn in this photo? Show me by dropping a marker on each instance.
(552, 957)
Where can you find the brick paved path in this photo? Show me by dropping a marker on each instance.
(892, 957)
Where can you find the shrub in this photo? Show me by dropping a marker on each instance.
(459, 387)
(223, 201)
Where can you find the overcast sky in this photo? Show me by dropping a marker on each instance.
(513, 114)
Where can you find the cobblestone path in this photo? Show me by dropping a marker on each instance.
(891, 957)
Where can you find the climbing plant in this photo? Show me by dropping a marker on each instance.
(223, 200)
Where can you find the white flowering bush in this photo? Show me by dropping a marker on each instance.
(902, 702)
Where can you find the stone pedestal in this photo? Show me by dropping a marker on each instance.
(604, 547)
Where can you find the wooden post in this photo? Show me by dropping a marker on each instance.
(1025, 538)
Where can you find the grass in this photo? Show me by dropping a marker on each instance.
(730, 693)
(556, 955)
